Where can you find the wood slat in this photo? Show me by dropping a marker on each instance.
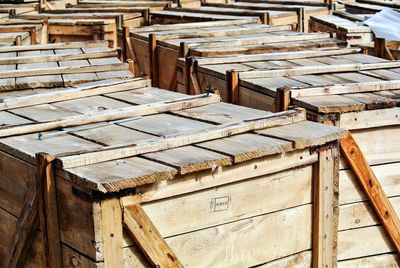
(147, 237)
(372, 189)
(173, 141)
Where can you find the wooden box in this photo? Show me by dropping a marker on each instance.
(343, 26)
(156, 177)
(73, 27)
(337, 87)
(58, 65)
(160, 46)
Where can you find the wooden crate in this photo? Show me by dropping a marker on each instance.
(344, 26)
(175, 16)
(347, 27)
(153, 4)
(296, 13)
(71, 27)
(267, 16)
(203, 181)
(58, 65)
(337, 87)
(160, 46)
(21, 32)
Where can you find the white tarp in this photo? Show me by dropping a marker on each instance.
(385, 24)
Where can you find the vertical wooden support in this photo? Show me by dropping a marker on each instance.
(131, 64)
(232, 86)
(183, 50)
(153, 59)
(193, 86)
(45, 32)
(379, 47)
(18, 40)
(301, 20)
(111, 217)
(282, 99)
(47, 204)
(188, 69)
(33, 36)
(325, 209)
(146, 17)
(372, 188)
(265, 18)
(364, 51)
(12, 13)
(148, 239)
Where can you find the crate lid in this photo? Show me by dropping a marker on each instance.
(118, 134)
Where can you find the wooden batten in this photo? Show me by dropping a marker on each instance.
(325, 215)
(48, 214)
(150, 241)
(153, 59)
(232, 78)
(371, 186)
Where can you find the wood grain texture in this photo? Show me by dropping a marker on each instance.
(143, 231)
(372, 188)
(111, 217)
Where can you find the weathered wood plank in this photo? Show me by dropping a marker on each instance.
(111, 217)
(114, 114)
(147, 237)
(173, 141)
(372, 188)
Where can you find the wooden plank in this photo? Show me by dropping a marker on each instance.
(351, 192)
(304, 70)
(207, 208)
(200, 159)
(145, 234)
(23, 234)
(326, 212)
(61, 57)
(347, 88)
(64, 70)
(302, 259)
(47, 206)
(372, 188)
(54, 46)
(372, 101)
(247, 146)
(329, 104)
(305, 133)
(130, 173)
(388, 260)
(289, 55)
(363, 242)
(370, 119)
(173, 141)
(361, 214)
(114, 114)
(111, 217)
(107, 86)
(233, 243)
(222, 113)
